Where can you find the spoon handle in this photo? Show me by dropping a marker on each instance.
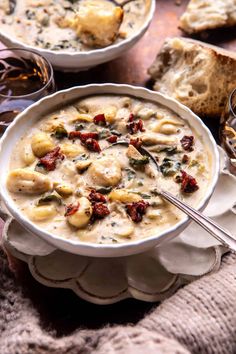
(209, 225)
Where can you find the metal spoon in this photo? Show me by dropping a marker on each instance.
(117, 3)
(123, 3)
(206, 223)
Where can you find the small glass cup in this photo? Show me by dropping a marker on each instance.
(25, 77)
(228, 128)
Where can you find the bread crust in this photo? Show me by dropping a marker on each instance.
(201, 15)
(198, 75)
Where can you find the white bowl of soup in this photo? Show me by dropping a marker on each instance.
(64, 180)
(76, 35)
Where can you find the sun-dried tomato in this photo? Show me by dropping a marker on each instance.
(137, 143)
(188, 183)
(50, 159)
(178, 179)
(71, 209)
(112, 139)
(74, 134)
(87, 139)
(136, 210)
(100, 119)
(95, 197)
(185, 159)
(83, 136)
(92, 145)
(131, 117)
(100, 210)
(86, 136)
(133, 127)
(187, 142)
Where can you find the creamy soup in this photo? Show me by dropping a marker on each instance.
(71, 25)
(69, 175)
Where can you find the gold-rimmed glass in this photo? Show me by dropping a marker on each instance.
(228, 128)
(25, 77)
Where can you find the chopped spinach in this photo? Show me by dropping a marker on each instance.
(104, 190)
(155, 192)
(169, 167)
(130, 174)
(170, 150)
(108, 238)
(60, 132)
(194, 163)
(140, 183)
(142, 161)
(115, 132)
(154, 204)
(82, 157)
(145, 195)
(103, 134)
(79, 126)
(40, 168)
(48, 198)
(29, 14)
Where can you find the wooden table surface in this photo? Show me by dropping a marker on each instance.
(132, 67)
(63, 311)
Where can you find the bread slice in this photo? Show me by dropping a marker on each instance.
(97, 22)
(202, 15)
(199, 75)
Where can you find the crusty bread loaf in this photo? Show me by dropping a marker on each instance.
(202, 15)
(199, 75)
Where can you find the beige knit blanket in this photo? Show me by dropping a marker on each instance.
(199, 318)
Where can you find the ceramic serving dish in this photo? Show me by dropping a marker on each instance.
(51, 103)
(78, 61)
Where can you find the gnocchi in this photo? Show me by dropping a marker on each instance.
(82, 216)
(105, 172)
(110, 114)
(71, 150)
(124, 196)
(42, 212)
(167, 126)
(27, 155)
(28, 182)
(63, 190)
(41, 144)
(82, 117)
(155, 138)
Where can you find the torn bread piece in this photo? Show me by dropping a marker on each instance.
(97, 22)
(203, 15)
(198, 75)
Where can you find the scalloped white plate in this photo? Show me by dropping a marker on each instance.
(150, 276)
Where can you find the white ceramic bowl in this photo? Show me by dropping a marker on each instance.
(48, 104)
(78, 61)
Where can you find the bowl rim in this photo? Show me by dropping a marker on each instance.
(89, 248)
(84, 54)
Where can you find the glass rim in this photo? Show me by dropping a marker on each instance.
(230, 102)
(51, 77)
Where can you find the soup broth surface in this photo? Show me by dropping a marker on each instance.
(67, 177)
